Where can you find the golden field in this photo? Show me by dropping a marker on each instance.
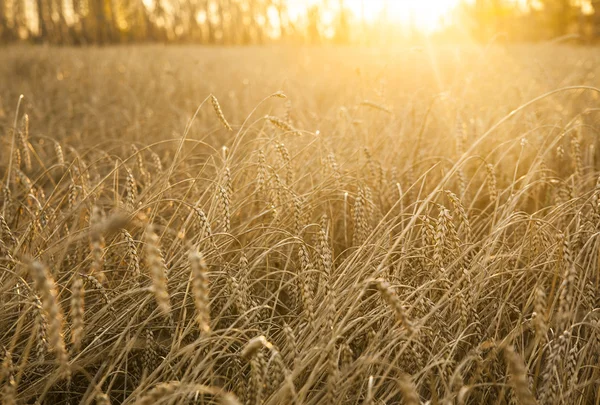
(279, 225)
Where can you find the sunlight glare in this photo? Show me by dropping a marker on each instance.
(424, 14)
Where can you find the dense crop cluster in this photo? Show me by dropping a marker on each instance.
(318, 227)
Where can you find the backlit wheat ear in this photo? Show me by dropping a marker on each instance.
(158, 271)
(428, 232)
(258, 377)
(22, 139)
(391, 298)
(25, 182)
(369, 204)
(519, 380)
(229, 399)
(570, 375)
(41, 330)
(551, 374)
(346, 356)
(442, 233)
(278, 371)
(463, 309)
(163, 391)
(279, 94)
(566, 295)
(596, 200)
(376, 106)
(6, 232)
(361, 224)
(540, 320)
(18, 161)
(290, 344)
(261, 174)
(225, 203)
(200, 290)
(281, 124)
(8, 391)
(299, 214)
(53, 313)
(6, 200)
(576, 150)
(225, 191)
(253, 346)
(370, 398)
(492, 182)
(459, 208)
(333, 373)
(97, 285)
(286, 162)
(304, 284)
(150, 354)
(325, 260)
(130, 190)
(408, 390)
(461, 136)
(253, 352)
(60, 156)
(97, 245)
(133, 259)
(141, 167)
(157, 162)
(244, 301)
(219, 112)
(460, 150)
(77, 312)
(288, 112)
(102, 399)
(159, 393)
(276, 189)
(235, 290)
(324, 255)
(332, 164)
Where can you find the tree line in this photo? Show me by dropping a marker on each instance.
(115, 21)
(239, 22)
(535, 19)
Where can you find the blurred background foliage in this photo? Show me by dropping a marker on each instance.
(243, 22)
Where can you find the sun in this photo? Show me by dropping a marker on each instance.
(426, 15)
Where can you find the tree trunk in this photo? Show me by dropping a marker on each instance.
(42, 21)
(3, 22)
(596, 19)
(98, 15)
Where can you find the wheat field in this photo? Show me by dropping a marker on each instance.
(270, 225)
